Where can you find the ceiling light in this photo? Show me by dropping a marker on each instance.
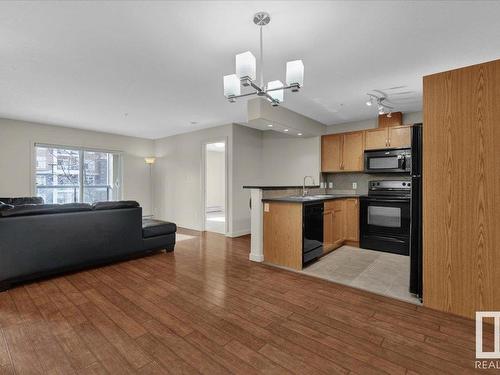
(380, 98)
(219, 144)
(270, 125)
(299, 134)
(285, 130)
(150, 160)
(246, 73)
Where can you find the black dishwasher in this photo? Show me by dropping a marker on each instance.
(312, 231)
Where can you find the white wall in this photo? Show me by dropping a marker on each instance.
(408, 119)
(18, 137)
(216, 179)
(286, 160)
(178, 176)
(247, 164)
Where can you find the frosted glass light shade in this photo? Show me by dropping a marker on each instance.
(231, 85)
(150, 160)
(246, 65)
(277, 94)
(295, 72)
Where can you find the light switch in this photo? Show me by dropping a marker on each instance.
(266, 207)
(354, 185)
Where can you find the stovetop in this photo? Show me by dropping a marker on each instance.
(390, 188)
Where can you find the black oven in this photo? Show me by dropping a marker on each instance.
(397, 160)
(385, 217)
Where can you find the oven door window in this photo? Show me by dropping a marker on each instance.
(385, 162)
(385, 217)
(382, 216)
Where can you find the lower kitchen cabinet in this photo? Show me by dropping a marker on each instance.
(283, 228)
(333, 225)
(352, 221)
(340, 223)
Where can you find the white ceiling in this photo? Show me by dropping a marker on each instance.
(150, 69)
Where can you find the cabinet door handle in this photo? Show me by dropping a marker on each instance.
(389, 142)
(386, 141)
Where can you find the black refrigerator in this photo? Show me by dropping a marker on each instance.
(416, 212)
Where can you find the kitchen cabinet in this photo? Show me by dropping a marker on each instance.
(328, 230)
(461, 190)
(376, 138)
(353, 152)
(335, 223)
(331, 153)
(352, 220)
(400, 136)
(338, 223)
(396, 119)
(391, 137)
(283, 229)
(342, 152)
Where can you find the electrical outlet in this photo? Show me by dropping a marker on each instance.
(354, 185)
(330, 185)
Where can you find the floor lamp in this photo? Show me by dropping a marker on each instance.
(150, 161)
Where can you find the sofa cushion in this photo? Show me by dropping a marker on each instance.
(43, 209)
(154, 228)
(22, 200)
(112, 205)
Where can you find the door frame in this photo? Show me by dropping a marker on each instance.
(204, 144)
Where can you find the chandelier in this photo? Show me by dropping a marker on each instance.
(246, 74)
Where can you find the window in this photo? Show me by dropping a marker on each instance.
(67, 175)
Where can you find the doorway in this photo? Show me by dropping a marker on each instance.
(215, 210)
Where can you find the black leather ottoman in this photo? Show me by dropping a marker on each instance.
(158, 234)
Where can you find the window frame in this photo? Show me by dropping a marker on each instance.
(81, 150)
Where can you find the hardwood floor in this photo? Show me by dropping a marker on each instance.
(207, 309)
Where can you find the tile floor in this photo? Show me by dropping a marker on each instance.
(216, 222)
(374, 271)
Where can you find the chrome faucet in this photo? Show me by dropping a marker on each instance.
(304, 191)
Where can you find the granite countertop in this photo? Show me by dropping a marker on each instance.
(280, 187)
(310, 198)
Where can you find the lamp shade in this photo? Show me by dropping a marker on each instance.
(150, 160)
(295, 72)
(276, 94)
(246, 65)
(231, 85)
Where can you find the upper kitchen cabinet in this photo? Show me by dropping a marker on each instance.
(352, 152)
(376, 138)
(396, 119)
(342, 152)
(331, 153)
(391, 137)
(400, 136)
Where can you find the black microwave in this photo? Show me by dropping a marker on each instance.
(396, 160)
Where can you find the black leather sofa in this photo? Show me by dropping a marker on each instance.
(37, 240)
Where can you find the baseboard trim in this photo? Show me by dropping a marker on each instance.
(238, 233)
(256, 257)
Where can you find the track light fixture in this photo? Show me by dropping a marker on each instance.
(380, 98)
